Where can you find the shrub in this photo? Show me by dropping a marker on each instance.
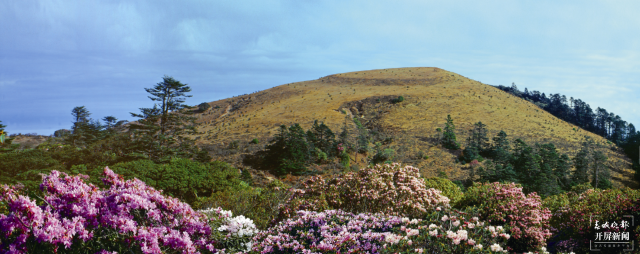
(336, 231)
(77, 217)
(447, 188)
(390, 189)
(230, 233)
(254, 141)
(506, 205)
(204, 106)
(382, 155)
(183, 178)
(574, 212)
(398, 100)
(262, 205)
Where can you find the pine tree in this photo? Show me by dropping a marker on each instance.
(449, 135)
(289, 151)
(501, 148)
(601, 175)
(581, 162)
(160, 133)
(321, 137)
(479, 138)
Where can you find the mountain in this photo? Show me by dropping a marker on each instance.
(430, 94)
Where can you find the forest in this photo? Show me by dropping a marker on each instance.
(145, 187)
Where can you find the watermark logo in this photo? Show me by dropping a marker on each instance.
(613, 235)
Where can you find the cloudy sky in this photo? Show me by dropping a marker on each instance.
(55, 55)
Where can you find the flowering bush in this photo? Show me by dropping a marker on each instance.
(336, 231)
(506, 205)
(454, 231)
(76, 217)
(571, 222)
(230, 233)
(389, 189)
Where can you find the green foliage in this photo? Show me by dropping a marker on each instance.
(447, 187)
(25, 166)
(246, 177)
(160, 133)
(574, 213)
(262, 205)
(289, 151)
(345, 159)
(321, 137)
(61, 133)
(234, 144)
(478, 138)
(449, 135)
(320, 155)
(382, 156)
(398, 100)
(204, 106)
(255, 141)
(469, 153)
(182, 178)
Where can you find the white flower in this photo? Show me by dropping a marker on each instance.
(462, 234)
(471, 225)
(432, 226)
(499, 228)
(479, 247)
(496, 247)
(445, 217)
(456, 223)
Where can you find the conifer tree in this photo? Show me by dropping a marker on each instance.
(160, 133)
(449, 135)
(321, 137)
(289, 151)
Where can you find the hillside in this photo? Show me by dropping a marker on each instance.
(430, 95)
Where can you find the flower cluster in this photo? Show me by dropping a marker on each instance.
(390, 189)
(336, 231)
(237, 232)
(453, 231)
(77, 215)
(505, 204)
(572, 217)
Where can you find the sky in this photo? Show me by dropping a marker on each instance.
(56, 55)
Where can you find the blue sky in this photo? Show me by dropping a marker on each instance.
(55, 55)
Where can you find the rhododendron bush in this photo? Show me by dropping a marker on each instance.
(336, 231)
(75, 217)
(389, 189)
(571, 220)
(506, 205)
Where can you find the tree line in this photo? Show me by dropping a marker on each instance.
(601, 122)
(539, 168)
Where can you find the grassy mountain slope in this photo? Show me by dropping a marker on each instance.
(430, 94)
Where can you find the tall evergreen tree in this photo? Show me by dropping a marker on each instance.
(85, 130)
(601, 175)
(449, 135)
(501, 148)
(289, 151)
(321, 137)
(581, 162)
(160, 133)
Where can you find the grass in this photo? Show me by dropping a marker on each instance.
(430, 94)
